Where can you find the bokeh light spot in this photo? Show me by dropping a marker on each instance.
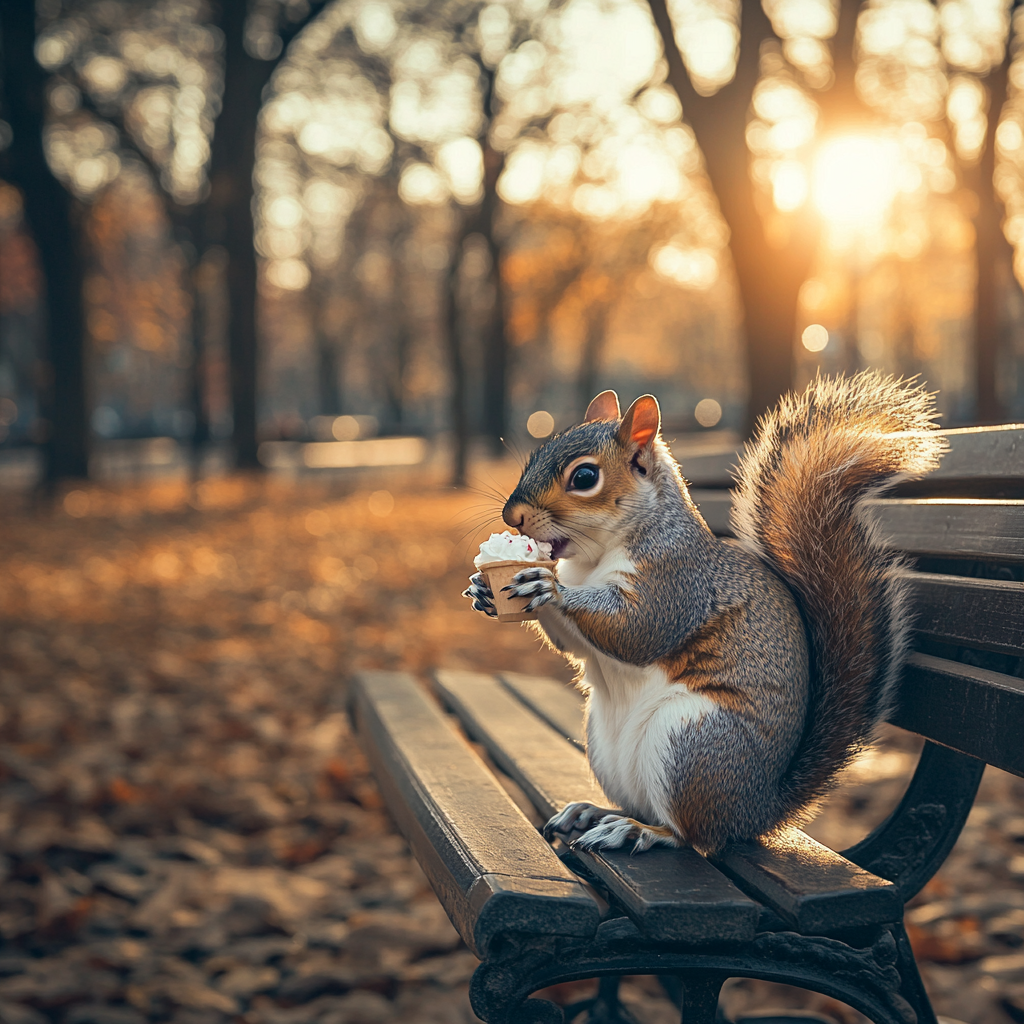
(540, 424)
(708, 412)
(814, 338)
(855, 179)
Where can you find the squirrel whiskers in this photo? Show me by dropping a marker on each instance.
(727, 682)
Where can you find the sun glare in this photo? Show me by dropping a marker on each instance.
(855, 179)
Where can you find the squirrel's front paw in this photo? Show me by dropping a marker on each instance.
(480, 594)
(537, 583)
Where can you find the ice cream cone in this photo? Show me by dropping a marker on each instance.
(499, 575)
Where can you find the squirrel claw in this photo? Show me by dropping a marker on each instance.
(574, 817)
(615, 830)
(537, 583)
(480, 594)
(533, 573)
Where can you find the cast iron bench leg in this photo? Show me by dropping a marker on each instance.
(700, 998)
(605, 1007)
(698, 992)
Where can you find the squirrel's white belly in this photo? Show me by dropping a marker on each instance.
(634, 718)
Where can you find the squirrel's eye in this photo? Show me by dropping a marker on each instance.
(584, 477)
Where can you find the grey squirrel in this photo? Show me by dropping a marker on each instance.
(727, 682)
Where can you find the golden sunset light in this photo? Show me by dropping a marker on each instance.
(854, 180)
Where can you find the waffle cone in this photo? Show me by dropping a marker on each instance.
(499, 574)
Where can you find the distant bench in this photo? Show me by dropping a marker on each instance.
(789, 910)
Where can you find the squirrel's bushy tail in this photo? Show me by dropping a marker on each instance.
(801, 484)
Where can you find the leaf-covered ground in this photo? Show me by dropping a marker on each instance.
(189, 832)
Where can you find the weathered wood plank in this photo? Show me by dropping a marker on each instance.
(988, 614)
(985, 529)
(983, 452)
(491, 870)
(974, 453)
(774, 873)
(557, 704)
(552, 773)
(671, 895)
(973, 710)
(813, 888)
(974, 528)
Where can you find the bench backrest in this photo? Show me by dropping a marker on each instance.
(963, 528)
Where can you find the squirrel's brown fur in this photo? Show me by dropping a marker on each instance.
(800, 491)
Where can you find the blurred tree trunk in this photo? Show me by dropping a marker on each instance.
(994, 254)
(484, 219)
(230, 208)
(54, 219)
(841, 106)
(327, 348)
(496, 339)
(593, 348)
(233, 160)
(451, 321)
(190, 234)
(772, 255)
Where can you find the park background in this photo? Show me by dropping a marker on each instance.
(287, 291)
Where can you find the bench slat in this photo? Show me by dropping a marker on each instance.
(973, 710)
(809, 885)
(983, 529)
(988, 614)
(491, 870)
(973, 612)
(975, 453)
(559, 706)
(671, 895)
(774, 873)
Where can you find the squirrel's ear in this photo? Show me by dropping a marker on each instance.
(641, 423)
(604, 407)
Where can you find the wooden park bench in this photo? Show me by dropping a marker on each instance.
(789, 910)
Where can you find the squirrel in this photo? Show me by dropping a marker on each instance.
(727, 682)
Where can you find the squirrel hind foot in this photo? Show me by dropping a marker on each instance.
(615, 830)
(575, 817)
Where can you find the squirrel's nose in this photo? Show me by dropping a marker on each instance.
(514, 515)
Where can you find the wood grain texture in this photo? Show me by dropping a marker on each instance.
(975, 453)
(552, 772)
(775, 872)
(984, 529)
(987, 614)
(971, 528)
(973, 710)
(811, 887)
(489, 867)
(671, 895)
(554, 702)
